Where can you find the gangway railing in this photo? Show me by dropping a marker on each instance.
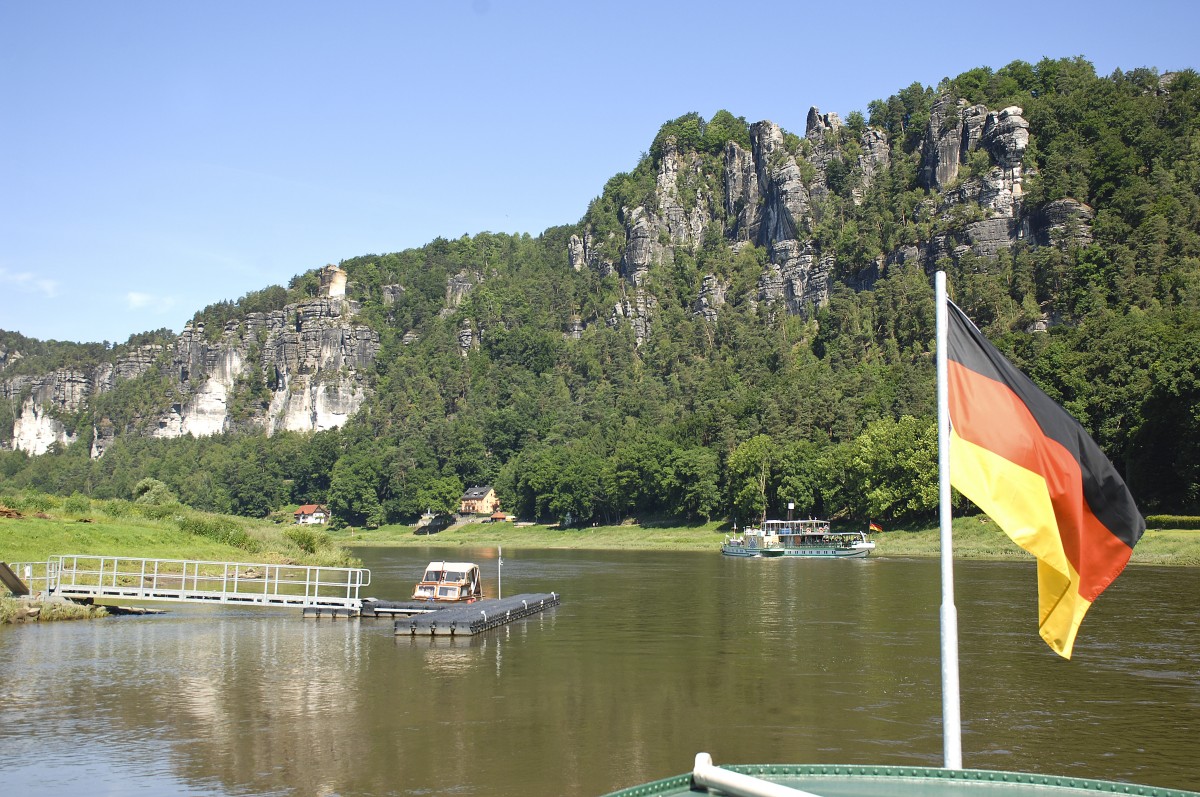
(37, 576)
(82, 576)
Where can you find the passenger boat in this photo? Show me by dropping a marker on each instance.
(449, 582)
(808, 538)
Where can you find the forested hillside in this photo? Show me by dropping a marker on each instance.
(700, 346)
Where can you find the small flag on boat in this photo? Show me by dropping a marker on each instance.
(876, 527)
(1033, 468)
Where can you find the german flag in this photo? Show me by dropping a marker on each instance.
(876, 527)
(1034, 470)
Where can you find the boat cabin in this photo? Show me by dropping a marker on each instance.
(449, 581)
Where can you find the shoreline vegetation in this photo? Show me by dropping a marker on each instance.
(974, 537)
(183, 534)
(125, 532)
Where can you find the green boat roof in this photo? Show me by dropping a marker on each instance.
(831, 780)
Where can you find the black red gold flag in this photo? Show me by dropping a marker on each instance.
(1036, 472)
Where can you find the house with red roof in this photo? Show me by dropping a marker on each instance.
(312, 513)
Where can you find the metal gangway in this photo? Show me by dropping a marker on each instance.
(82, 577)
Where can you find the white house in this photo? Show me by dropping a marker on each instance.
(312, 513)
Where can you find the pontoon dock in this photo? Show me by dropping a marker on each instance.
(466, 619)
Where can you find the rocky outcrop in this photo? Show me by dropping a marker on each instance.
(769, 197)
(459, 287)
(652, 234)
(1006, 135)
(313, 358)
(942, 147)
(637, 312)
(642, 247)
(309, 361)
(1063, 221)
(742, 195)
(43, 405)
(796, 278)
(711, 298)
(957, 130)
(391, 293)
(467, 340)
(581, 254)
(874, 159)
(972, 160)
(786, 199)
(683, 206)
(36, 429)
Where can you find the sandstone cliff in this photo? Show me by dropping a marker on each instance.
(972, 165)
(303, 368)
(306, 367)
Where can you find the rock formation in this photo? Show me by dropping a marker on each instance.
(972, 161)
(311, 358)
(306, 367)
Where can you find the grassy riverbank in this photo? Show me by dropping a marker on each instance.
(974, 538)
(120, 531)
(120, 528)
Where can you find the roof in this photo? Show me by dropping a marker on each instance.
(451, 565)
(309, 509)
(477, 492)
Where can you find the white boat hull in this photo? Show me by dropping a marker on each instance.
(806, 553)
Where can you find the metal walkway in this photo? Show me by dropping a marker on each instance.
(80, 577)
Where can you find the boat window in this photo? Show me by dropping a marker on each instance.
(452, 575)
(433, 575)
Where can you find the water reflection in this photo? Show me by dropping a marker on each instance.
(651, 658)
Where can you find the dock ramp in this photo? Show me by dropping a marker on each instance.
(12, 581)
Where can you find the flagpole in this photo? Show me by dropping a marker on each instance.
(951, 718)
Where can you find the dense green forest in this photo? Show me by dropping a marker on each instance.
(832, 410)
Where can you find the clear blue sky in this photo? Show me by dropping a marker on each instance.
(156, 157)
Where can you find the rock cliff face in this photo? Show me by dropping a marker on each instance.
(306, 367)
(767, 196)
(972, 163)
(303, 368)
(46, 404)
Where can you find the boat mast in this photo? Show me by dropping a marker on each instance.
(951, 718)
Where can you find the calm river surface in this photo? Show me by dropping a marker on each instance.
(651, 658)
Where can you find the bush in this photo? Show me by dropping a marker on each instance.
(1189, 522)
(159, 511)
(30, 502)
(116, 508)
(153, 492)
(218, 529)
(78, 504)
(308, 539)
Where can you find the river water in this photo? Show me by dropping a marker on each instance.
(650, 659)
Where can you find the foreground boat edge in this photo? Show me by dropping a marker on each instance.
(903, 780)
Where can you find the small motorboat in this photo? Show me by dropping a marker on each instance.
(449, 582)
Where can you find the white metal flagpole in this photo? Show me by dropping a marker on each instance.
(951, 718)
